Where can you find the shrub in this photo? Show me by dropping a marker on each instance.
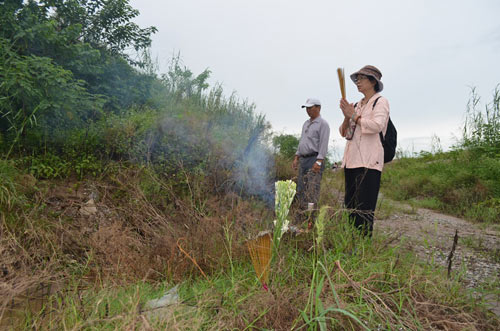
(45, 166)
(286, 144)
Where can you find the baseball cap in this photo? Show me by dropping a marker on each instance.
(311, 102)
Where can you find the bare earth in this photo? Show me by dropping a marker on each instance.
(430, 235)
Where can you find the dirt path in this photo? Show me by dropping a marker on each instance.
(430, 235)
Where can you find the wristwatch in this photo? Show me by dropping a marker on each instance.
(318, 163)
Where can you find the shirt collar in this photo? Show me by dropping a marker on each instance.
(373, 98)
(315, 120)
(370, 102)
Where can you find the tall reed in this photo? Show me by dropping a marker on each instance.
(481, 130)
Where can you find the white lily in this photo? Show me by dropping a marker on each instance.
(285, 191)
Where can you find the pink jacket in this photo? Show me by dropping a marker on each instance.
(365, 149)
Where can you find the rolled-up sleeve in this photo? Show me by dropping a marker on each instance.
(324, 136)
(376, 120)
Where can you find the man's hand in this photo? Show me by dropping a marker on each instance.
(295, 162)
(316, 167)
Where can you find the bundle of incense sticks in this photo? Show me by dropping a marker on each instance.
(340, 73)
(260, 252)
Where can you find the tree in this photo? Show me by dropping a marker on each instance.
(89, 38)
(36, 91)
(286, 144)
(105, 24)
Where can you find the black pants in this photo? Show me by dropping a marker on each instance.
(361, 192)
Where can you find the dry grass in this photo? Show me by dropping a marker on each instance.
(144, 231)
(126, 239)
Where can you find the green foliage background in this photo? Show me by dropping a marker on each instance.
(73, 101)
(73, 97)
(286, 144)
(464, 181)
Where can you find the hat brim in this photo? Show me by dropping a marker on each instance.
(308, 105)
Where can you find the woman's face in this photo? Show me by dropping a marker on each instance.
(364, 84)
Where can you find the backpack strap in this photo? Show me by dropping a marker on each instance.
(380, 133)
(374, 103)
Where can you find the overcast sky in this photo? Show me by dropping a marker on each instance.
(277, 53)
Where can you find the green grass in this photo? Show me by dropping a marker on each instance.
(350, 283)
(458, 183)
(479, 245)
(130, 252)
(463, 182)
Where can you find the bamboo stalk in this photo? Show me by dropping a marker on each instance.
(340, 73)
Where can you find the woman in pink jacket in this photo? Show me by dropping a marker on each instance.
(364, 155)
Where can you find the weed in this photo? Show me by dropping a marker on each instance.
(9, 189)
(348, 282)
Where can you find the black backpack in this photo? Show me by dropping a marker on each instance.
(390, 140)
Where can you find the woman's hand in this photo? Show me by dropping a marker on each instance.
(347, 108)
(344, 126)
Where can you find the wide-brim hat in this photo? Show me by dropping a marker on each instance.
(372, 72)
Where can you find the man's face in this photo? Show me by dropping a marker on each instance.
(313, 111)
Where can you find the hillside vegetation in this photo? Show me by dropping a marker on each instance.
(118, 183)
(464, 181)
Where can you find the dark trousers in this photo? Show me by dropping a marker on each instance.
(308, 182)
(361, 192)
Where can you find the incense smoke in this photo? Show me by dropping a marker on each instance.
(221, 145)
